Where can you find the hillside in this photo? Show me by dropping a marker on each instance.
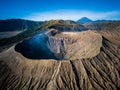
(16, 25)
(102, 25)
(63, 25)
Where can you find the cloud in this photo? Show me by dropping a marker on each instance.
(72, 15)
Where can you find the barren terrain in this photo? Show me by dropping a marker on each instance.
(100, 72)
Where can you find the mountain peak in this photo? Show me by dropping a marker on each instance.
(84, 19)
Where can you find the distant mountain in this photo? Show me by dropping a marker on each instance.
(84, 20)
(16, 25)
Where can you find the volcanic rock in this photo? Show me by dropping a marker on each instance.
(75, 45)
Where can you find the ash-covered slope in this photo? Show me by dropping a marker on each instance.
(75, 45)
(101, 72)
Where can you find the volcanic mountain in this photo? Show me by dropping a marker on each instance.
(84, 20)
(60, 59)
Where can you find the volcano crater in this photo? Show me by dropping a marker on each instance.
(57, 45)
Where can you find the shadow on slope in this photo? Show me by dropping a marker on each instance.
(35, 48)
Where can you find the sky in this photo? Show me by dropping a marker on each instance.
(41, 10)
